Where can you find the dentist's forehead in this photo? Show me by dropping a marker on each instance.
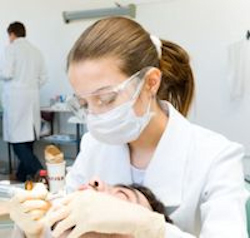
(91, 75)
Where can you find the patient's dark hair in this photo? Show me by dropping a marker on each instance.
(154, 202)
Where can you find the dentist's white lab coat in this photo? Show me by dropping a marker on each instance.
(195, 172)
(23, 73)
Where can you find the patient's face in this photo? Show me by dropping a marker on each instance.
(121, 192)
(124, 193)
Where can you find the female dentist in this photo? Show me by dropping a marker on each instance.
(128, 86)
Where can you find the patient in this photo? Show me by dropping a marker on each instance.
(132, 193)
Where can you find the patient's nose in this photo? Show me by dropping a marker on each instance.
(98, 184)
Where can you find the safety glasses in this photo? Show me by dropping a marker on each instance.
(108, 98)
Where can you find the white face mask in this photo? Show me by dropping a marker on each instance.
(120, 125)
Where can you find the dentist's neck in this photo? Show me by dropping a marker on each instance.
(143, 148)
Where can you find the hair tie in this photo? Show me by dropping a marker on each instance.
(158, 44)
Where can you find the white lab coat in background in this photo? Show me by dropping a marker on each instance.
(239, 69)
(23, 74)
(195, 172)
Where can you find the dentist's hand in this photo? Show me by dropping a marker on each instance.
(91, 211)
(27, 208)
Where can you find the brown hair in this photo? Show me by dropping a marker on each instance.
(126, 40)
(17, 28)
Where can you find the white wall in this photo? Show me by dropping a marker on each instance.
(205, 28)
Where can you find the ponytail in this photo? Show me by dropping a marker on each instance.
(177, 85)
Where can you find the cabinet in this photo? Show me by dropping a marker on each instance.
(56, 136)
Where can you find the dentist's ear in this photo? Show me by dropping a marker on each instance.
(153, 80)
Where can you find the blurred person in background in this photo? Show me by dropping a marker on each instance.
(23, 74)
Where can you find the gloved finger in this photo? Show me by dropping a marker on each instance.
(22, 196)
(14, 202)
(63, 226)
(37, 214)
(55, 207)
(76, 232)
(30, 205)
(15, 209)
(39, 191)
(28, 195)
(54, 217)
(66, 200)
(19, 217)
(85, 194)
(40, 187)
(34, 228)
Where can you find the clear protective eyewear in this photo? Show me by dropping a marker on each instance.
(107, 98)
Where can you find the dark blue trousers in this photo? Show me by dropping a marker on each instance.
(28, 162)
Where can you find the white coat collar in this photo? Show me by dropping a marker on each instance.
(19, 39)
(165, 173)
